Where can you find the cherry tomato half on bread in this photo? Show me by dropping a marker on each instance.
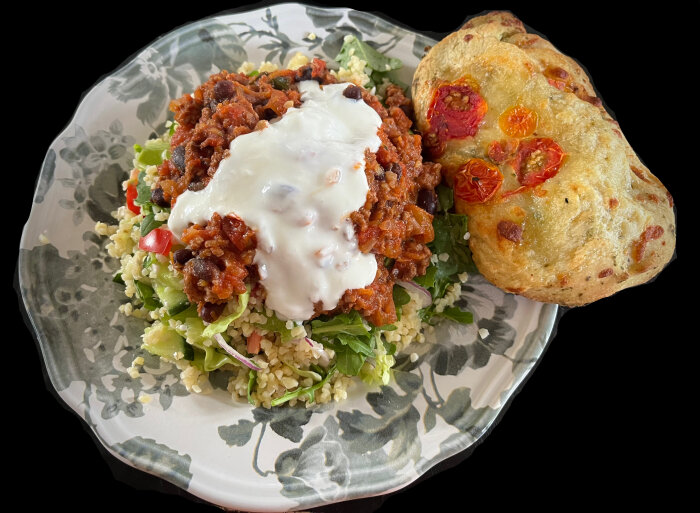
(158, 240)
(477, 181)
(537, 160)
(456, 111)
(518, 121)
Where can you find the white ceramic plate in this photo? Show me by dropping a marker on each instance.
(224, 452)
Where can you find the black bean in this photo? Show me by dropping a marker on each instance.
(223, 90)
(182, 256)
(211, 311)
(427, 200)
(396, 168)
(268, 114)
(204, 269)
(158, 198)
(379, 175)
(178, 158)
(304, 73)
(353, 92)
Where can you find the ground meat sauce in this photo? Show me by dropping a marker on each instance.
(390, 224)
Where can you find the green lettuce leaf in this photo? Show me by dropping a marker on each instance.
(221, 324)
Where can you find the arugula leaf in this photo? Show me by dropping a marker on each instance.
(456, 315)
(358, 345)
(450, 230)
(276, 325)
(148, 224)
(445, 196)
(251, 383)
(350, 338)
(350, 324)
(143, 196)
(349, 362)
(308, 391)
(401, 298)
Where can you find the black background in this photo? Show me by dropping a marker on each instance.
(601, 421)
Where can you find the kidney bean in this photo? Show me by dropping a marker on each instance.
(353, 92)
(211, 311)
(223, 90)
(158, 198)
(204, 269)
(182, 256)
(178, 158)
(427, 200)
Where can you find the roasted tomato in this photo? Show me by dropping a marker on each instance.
(537, 160)
(518, 121)
(477, 181)
(455, 113)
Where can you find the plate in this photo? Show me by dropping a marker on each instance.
(377, 441)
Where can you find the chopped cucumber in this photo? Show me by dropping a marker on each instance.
(162, 340)
(175, 301)
(169, 288)
(146, 293)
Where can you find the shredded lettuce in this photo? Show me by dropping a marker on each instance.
(154, 152)
(221, 324)
(206, 357)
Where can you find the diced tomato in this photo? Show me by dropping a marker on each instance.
(158, 240)
(131, 194)
(477, 181)
(253, 342)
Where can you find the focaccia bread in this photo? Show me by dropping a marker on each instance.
(560, 207)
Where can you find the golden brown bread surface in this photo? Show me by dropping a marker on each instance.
(603, 222)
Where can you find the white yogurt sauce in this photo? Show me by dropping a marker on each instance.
(294, 183)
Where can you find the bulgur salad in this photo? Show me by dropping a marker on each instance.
(286, 229)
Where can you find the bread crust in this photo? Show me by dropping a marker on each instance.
(603, 223)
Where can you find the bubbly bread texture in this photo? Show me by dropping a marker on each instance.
(597, 222)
